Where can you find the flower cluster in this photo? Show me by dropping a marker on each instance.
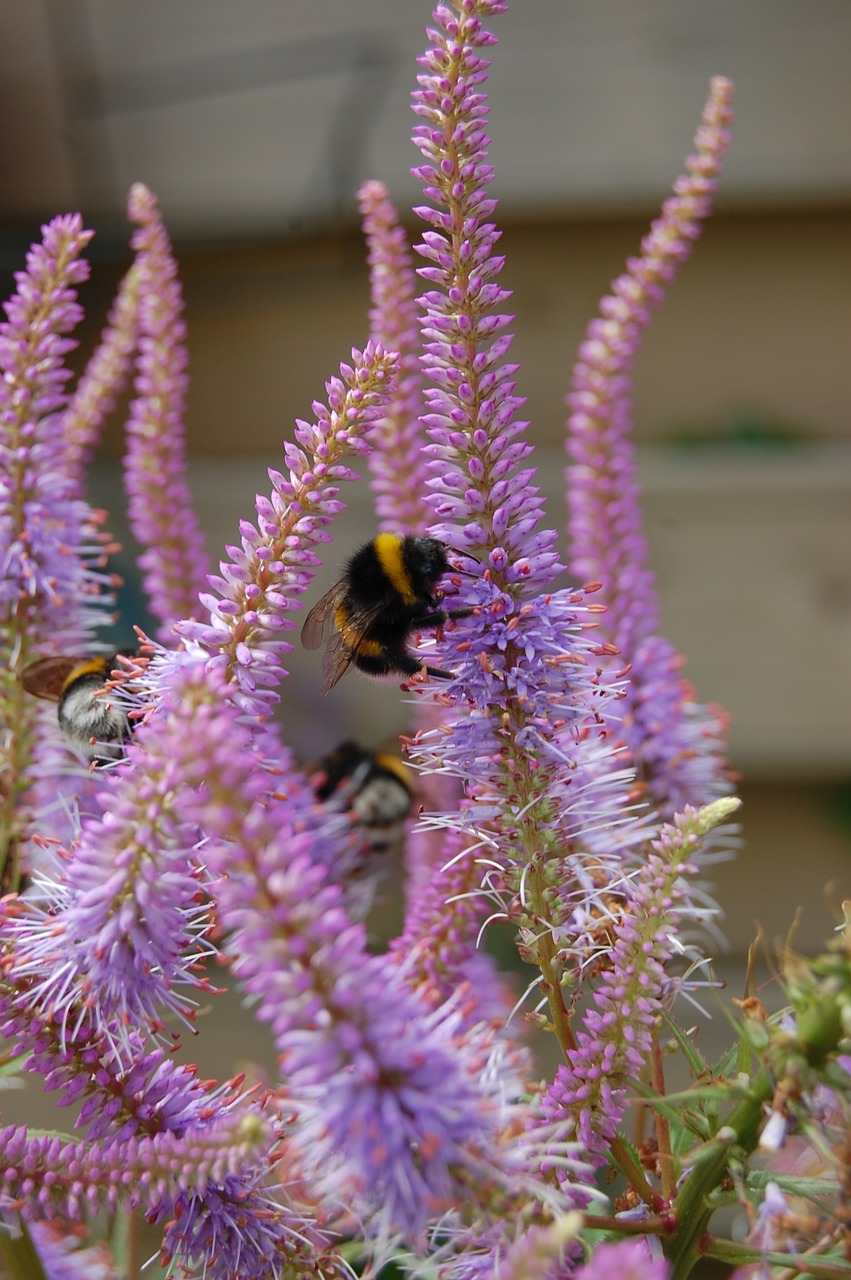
(568, 781)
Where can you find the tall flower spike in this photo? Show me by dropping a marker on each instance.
(209, 1185)
(527, 671)
(50, 545)
(677, 745)
(104, 377)
(615, 1039)
(128, 941)
(396, 462)
(274, 564)
(159, 508)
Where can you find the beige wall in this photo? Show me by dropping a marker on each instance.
(757, 323)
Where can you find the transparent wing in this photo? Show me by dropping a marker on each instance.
(341, 647)
(319, 626)
(46, 676)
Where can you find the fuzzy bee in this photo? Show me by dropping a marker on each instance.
(95, 725)
(387, 592)
(373, 786)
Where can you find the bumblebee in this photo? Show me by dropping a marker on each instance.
(373, 786)
(387, 591)
(94, 726)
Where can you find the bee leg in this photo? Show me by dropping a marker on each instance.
(437, 617)
(439, 673)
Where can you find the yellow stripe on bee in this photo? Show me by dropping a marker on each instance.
(91, 667)
(388, 548)
(392, 764)
(353, 636)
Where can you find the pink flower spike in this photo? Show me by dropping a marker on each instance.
(397, 463)
(174, 562)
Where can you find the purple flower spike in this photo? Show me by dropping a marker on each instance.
(677, 746)
(275, 561)
(132, 933)
(159, 508)
(104, 377)
(529, 682)
(210, 1185)
(615, 1040)
(486, 506)
(52, 585)
(397, 463)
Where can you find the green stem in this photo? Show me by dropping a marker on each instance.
(663, 1132)
(690, 1207)
(798, 1263)
(626, 1162)
(657, 1226)
(546, 959)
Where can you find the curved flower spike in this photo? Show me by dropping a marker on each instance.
(678, 746)
(396, 461)
(174, 562)
(274, 563)
(52, 588)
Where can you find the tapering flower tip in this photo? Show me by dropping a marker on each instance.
(43, 309)
(711, 815)
(397, 463)
(635, 984)
(269, 571)
(105, 376)
(485, 504)
(607, 542)
(160, 510)
(47, 535)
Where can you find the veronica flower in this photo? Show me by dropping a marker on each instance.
(127, 938)
(274, 563)
(399, 1100)
(104, 378)
(396, 460)
(173, 562)
(210, 1185)
(677, 745)
(527, 665)
(615, 1039)
(51, 584)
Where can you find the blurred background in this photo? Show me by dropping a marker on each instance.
(254, 123)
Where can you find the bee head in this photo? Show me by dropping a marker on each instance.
(426, 559)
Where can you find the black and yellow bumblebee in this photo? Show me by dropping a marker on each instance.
(373, 786)
(387, 592)
(95, 725)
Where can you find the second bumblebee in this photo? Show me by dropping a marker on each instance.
(373, 786)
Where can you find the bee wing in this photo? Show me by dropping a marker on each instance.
(46, 676)
(320, 629)
(319, 625)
